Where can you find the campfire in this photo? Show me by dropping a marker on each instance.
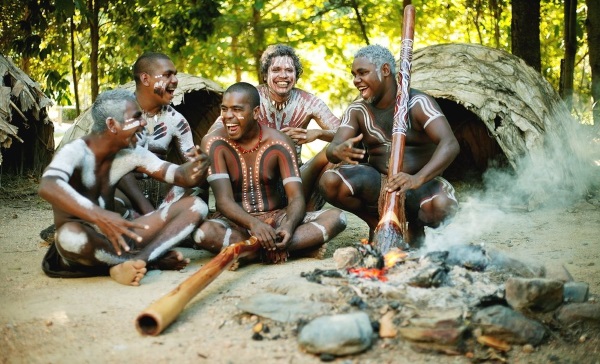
(468, 300)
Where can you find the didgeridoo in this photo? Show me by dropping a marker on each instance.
(160, 314)
(391, 229)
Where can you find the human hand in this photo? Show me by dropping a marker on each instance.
(198, 162)
(346, 152)
(265, 234)
(113, 226)
(402, 182)
(301, 136)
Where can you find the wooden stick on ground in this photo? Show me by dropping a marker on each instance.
(391, 229)
(159, 315)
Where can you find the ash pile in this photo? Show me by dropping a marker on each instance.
(469, 301)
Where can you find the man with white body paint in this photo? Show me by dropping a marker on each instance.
(156, 80)
(250, 165)
(360, 183)
(80, 183)
(289, 109)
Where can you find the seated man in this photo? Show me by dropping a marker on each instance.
(289, 109)
(250, 164)
(356, 186)
(80, 183)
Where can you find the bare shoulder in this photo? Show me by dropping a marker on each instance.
(274, 135)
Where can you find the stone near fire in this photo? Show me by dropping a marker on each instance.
(282, 308)
(436, 330)
(576, 313)
(337, 335)
(347, 257)
(508, 325)
(538, 294)
(576, 292)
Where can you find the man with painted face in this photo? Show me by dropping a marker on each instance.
(289, 109)
(156, 80)
(359, 184)
(250, 164)
(80, 184)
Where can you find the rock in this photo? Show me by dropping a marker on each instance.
(337, 335)
(577, 313)
(576, 292)
(508, 325)
(282, 308)
(539, 294)
(439, 331)
(347, 257)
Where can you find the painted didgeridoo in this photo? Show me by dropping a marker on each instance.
(392, 227)
(160, 314)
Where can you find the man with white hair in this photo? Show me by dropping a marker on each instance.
(80, 182)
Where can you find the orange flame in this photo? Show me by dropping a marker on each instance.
(390, 259)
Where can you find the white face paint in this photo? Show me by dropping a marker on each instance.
(72, 241)
(82, 201)
(128, 125)
(281, 76)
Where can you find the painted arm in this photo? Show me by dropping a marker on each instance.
(432, 121)
(341, 148)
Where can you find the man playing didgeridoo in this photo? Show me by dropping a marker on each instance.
(80, 183)
(289, 109)
(359, 184)
(250, 164)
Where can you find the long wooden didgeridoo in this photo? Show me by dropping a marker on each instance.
(391, 229)
(159, 315)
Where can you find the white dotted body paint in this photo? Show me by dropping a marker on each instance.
(82, 201)
(169, 243)
(72, 241)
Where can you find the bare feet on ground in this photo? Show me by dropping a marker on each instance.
(129, 273)
(172, 260)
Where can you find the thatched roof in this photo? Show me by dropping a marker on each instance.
(22, 102)
(197, 98)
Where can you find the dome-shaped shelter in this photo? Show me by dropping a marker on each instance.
(499, 108)
(197, 99)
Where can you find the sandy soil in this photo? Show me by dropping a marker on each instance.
(91, 320)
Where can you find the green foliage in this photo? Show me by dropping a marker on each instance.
(223, 39)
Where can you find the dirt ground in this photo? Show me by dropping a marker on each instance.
(91, 320)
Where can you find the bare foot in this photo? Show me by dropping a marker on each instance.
(316, 253)
(172, 260)
(129, 273)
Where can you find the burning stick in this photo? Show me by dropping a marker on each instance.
(154, 319)
(392, 226)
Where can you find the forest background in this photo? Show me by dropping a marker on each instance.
(78, 48)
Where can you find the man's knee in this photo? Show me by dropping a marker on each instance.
(438, 210)
(329, 185)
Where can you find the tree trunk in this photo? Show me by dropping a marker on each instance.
(568, 63)
(73, 69)
(593, 30)
(93, 20)
(525, 28)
